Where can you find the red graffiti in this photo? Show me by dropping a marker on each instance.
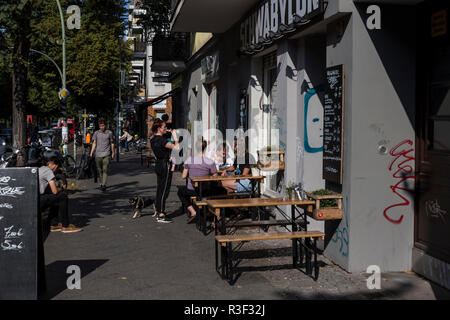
(403, 172)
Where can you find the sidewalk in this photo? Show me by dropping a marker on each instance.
(122, 258)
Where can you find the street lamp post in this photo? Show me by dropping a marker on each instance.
(63, 101)
(119, 102)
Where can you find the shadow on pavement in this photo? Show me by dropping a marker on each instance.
(57, 276)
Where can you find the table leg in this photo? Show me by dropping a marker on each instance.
(294, 241)
(222, 221)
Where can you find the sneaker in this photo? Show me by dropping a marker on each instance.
(59, 227)
(71, 229)
(164, 219)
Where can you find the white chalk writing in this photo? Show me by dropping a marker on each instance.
(11, 191)
(13, 234)
(6, 205)
(7, 245)
(5, 180)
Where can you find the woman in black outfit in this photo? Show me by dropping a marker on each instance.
(162, 149)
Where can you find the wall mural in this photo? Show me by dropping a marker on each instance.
(313, 118)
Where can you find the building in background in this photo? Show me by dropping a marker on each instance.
(381, 139)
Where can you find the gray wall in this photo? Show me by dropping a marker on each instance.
(379, 106)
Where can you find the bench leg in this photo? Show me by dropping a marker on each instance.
(300, 247)
(316, 266)
(294, 253)
(224, 262)
(308, 256)
(230, 263)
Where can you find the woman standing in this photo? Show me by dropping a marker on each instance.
(162, 150)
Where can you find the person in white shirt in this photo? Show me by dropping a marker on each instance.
(127, 137)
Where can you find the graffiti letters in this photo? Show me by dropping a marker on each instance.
(341, 236)
(433, 210)
(404, 159)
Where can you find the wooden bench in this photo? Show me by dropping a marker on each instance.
(226, 241)
(201, 222)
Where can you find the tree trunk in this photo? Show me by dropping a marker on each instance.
(20, 87)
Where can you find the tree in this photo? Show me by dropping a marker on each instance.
(92, 57)
(15, 25)
(156, 18)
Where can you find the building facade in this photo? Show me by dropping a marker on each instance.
(270, 66)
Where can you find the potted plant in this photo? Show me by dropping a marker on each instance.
(328, 205)
(290, 191)
(270, 158)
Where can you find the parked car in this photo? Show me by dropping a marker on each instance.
(6, 136)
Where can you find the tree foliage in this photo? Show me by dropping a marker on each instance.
(92, 55)
(156, 18)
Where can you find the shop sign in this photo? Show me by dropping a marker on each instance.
(272, 19)
(439, 23)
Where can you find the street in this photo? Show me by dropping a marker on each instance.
(121, 258)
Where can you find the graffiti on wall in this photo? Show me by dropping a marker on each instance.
(402, 168)
(433, 210)
(341, 234)
(313, 119)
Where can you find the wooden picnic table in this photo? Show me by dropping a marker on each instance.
(218, 208)
(198, 182)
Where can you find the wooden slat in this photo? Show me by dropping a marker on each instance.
(262, 223)
(256, 202)
(222, 178)
(269, 236)
(322, 197)
(200, 203)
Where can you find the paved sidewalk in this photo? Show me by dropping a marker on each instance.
(121, 258)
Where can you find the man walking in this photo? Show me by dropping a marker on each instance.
(103, 146)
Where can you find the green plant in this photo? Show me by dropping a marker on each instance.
(290, 187)
(325, 203)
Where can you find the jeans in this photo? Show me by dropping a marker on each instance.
(244, 185)
(126, 145)
(59, 201)
(102, 164)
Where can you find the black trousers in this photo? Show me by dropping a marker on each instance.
(185, 196)
(163, 183)
(57, 202)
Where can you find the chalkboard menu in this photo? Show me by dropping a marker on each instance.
(333, 124)
(19, 225)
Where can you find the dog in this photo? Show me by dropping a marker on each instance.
(139, 203)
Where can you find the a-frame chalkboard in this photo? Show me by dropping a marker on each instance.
(19, 233)
(333, 121)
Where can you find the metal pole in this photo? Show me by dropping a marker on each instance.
(118, 148)
(63, 30)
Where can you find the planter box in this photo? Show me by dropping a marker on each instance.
(328, 213)
(271, 160)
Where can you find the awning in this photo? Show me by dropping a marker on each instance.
(215, 16)
(158, 99)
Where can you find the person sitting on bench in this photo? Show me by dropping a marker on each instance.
(196, 166)
(53, 196)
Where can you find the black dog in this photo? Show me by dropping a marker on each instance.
(140, 203)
